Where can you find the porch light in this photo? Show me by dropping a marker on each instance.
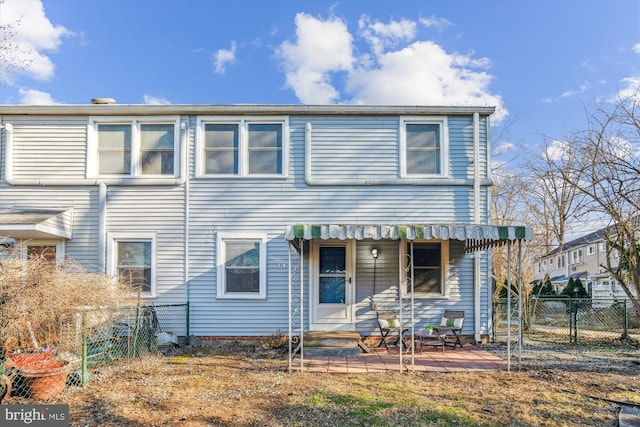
(374, 253)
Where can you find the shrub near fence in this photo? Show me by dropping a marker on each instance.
(567, 320)
(43, 373)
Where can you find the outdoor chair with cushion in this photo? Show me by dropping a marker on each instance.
(450, 327)
(389, 326)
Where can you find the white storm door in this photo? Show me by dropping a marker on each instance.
(332, 287)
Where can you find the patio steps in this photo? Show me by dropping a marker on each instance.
(334, 343)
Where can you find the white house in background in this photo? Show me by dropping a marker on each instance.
(261, 215)
(581, 258)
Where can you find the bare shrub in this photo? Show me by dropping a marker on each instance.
(44, 304)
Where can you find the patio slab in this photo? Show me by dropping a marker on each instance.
(467, 358)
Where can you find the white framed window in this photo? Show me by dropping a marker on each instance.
(241, 265)
(132, 258)
(591, 250)
(424, 145)
(48, 250)
(577, 256)
(602, 246)
(247, 147)
(430, 273)
(561, 261)
(140, 147)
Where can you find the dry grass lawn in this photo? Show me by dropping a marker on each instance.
(251, 387)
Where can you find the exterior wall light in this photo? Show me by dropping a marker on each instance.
(374, 253)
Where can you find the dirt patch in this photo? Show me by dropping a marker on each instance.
(249, 386)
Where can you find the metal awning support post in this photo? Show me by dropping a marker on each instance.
(301, 243)
(412, 315)
(520, 320)
(509, 305)
(289, 313)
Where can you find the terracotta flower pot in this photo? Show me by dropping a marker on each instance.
(45, 379)
(18, 359)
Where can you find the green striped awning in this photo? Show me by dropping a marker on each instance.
(476, 237)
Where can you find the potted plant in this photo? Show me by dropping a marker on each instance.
(42, 302)
(429, 329)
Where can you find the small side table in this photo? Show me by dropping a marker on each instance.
(425, 339)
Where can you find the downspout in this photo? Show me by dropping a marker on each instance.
(102, 226)
(476, 220)
(8, 154)
(184, 156)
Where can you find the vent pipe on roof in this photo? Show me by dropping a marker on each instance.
(102, 101)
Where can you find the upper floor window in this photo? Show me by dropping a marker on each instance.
(242, 147)
(591, 249)
(424, 144)
(134, 147)
(561, 262)
(241, 266)
(577, 256)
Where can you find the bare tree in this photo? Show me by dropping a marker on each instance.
(607, 173)
(551, 200)
(13, 56)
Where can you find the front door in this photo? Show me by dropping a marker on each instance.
(332, 287)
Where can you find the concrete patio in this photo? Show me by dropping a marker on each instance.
(467, 358)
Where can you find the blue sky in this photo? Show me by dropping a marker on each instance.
(543, 64)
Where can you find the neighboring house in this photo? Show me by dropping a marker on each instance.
(581, 258)
(261, 215)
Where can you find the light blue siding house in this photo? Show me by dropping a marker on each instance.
(262, 216)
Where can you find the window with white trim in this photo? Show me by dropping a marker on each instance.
(241, 265)
(591, 250)
(429, 261)
(132, 258)
(424, 146)
(242, 147)
(45, 250)
(143, 147)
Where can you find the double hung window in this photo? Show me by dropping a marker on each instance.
(244, 147)
(428, 261)
(135, 148)
(424, 145)
(241, 266)
(132, 259)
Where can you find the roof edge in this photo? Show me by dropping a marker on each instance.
(239, 109)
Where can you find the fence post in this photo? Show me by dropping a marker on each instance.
(625, 319)
(85, 372)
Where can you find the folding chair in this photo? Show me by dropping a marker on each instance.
(451, 327)
(389, 326)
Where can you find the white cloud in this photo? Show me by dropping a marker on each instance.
(395, 72)
(35, 97)
(224, 57)
(636, 48)
(629, 90)
(320, 49)
(381, 36)
(150, 99)
(31, 36)
(558, 151)
(434, 21)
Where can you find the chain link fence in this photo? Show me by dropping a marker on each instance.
(582, 321)
(93, 341)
